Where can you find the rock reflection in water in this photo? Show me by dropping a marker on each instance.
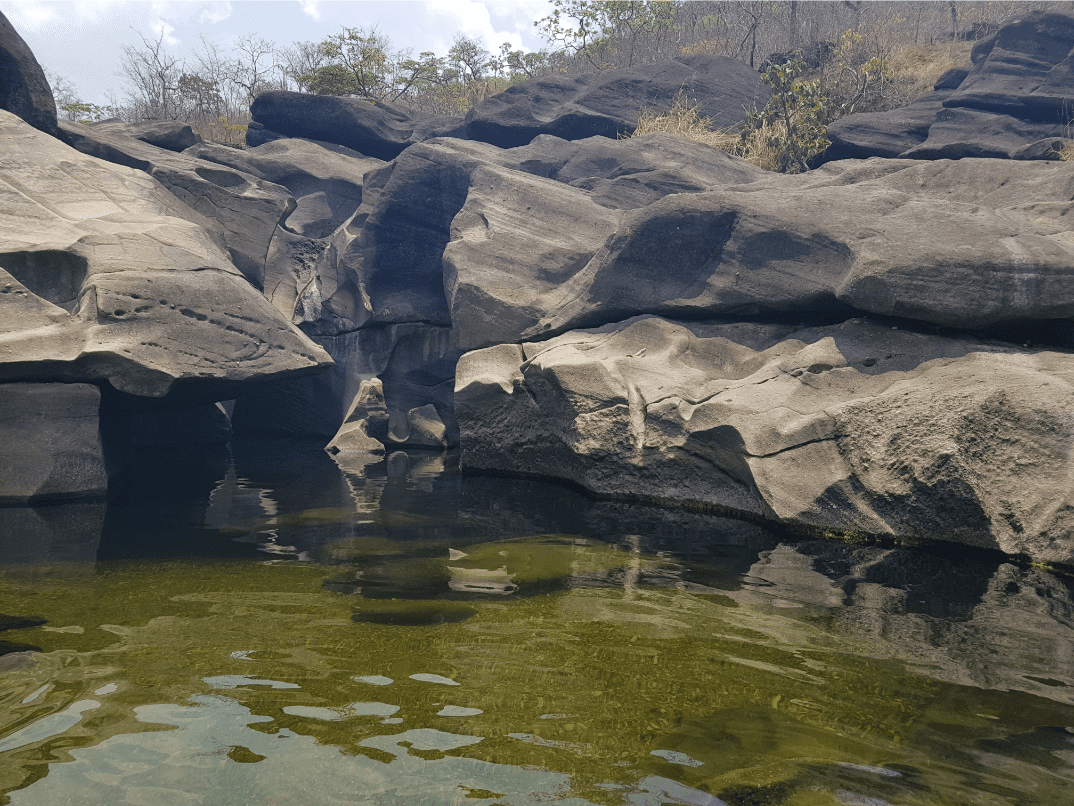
(623, 654)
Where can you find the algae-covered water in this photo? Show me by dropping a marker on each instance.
(263, 626)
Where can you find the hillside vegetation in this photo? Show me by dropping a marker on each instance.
(861, 56)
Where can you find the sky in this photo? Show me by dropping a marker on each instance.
(82, 40)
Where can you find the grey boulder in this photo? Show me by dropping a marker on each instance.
(172, 135)
(104, 279)
(386, 265)
(1015, 102)
(24, 90)
(854, 427)
(240, 210)
(375, 129)
(608, 103)
(326, 181)
(965, 244)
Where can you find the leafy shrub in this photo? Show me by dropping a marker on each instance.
(794, 122)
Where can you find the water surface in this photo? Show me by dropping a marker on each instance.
(261, 625)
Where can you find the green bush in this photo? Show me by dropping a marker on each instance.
(795, 119)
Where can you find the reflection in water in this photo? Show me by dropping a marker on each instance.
(264, 625)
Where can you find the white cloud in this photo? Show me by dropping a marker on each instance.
(474, 19)
(215, 12)
(309, 8)
(29, 15)
(163, 31)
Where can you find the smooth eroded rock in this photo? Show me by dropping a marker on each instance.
(1019, 92)
(173, 135)
(608, 103)
(964, 244)
(24, 90)
(105, 279)
(240, 210)
(854, 427)
(386, 265)
(375, 129)
(50, 445)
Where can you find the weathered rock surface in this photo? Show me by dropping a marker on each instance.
(104, 279)
(505, 266)
(240, 210)
(1015, 102)
(414, 362)
(386, 265)
(374, 129)
(392, 264)
(855, 427)
(884, 134)
(963, 244)
(326, 181)
(24, 90)
(365, 429)
(173, 135)
(50, 446)
(608, 103)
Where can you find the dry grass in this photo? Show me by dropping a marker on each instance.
(1066, 154)
(918, 68)
(686, 121)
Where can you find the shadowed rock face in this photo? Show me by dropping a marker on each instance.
(965, 244)
(1014, 103)
(608, 103)
(377, 130)
(24, 91)
(49, 442)
(855, 426)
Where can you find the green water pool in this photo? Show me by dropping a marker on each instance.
(260, 626)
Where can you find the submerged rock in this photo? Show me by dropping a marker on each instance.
(853, 427)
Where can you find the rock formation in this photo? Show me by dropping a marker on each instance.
(106, 279)
(877, 346)
(24, 91)
(375, 129)
(1015, 102)
(173, 135)
(855, 427)
(608, 103)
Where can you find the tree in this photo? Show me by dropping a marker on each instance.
(251, 69)
(299, 61)
(469, 58)
(332, 79)
(608, 33)
(518, 65)
(154, 76)
(366, 54)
